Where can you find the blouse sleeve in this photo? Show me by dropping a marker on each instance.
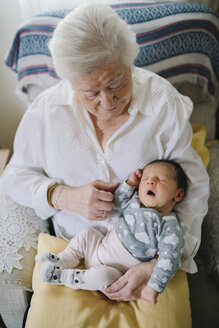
(25, 178)
(192, 210)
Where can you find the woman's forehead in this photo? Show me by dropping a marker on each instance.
(100, 77)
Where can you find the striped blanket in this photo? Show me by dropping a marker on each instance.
(179, 41)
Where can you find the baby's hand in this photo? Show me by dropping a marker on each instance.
(135, 178)
(149, 294)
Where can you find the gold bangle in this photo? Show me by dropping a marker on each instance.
(57, 196)
(49, 192)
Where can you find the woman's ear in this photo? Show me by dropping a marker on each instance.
(179, 195)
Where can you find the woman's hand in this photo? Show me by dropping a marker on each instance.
(129, 286)
(149, 294)
(94, 201)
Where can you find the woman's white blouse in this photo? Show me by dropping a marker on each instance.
(56, 142)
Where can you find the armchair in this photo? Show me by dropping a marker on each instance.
(183, 47)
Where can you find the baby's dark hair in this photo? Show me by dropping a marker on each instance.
(182, 181)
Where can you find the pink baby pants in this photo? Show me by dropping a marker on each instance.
(105, 258)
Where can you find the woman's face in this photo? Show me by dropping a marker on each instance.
(106, 92)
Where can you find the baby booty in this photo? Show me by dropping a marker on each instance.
(77, 278)
(51, 273)
(57, 275)
(49, 257)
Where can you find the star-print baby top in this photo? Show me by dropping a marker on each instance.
(147, 234)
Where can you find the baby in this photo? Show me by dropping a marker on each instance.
(147, 228)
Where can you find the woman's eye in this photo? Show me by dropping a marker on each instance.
(116, 86)
(91, 95)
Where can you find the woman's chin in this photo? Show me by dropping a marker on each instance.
(114, 109)
(108, 113)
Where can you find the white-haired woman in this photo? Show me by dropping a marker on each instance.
(103, 120)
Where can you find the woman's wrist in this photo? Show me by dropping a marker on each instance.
(53, 195)
(56, 195)
(50, 191)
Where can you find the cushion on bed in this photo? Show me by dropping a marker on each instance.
(59, 306)
(179, 41)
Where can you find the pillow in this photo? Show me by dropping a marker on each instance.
(59, 306)
(198, 142)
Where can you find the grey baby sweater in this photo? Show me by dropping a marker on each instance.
(146, 233)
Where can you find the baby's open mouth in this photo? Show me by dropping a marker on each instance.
(150, 193)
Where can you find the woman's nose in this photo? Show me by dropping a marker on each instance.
(107, 100)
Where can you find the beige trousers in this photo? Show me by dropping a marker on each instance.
(105, 258)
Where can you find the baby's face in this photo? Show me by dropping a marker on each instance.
(158, 187)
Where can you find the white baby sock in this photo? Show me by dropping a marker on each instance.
(52, 258)
(95, 278)
(58, 275)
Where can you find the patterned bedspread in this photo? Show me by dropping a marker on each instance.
(179, 41)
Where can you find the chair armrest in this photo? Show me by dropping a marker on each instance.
(15, 290)
(14, 302)
(19, 230)
(209, 249)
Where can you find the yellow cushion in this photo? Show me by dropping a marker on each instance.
(198, 142)
(61, 307)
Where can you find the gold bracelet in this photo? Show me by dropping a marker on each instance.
(49, 192)
(57, 196)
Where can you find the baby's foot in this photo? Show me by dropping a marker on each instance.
(57, 275)
(51, 273)
(49, 257)
(77, 277)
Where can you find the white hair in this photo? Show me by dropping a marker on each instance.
(90, 36)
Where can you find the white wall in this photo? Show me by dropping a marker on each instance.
(11, 108)
(12, 13)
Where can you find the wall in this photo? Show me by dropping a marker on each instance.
(12, 13)
(11, 108)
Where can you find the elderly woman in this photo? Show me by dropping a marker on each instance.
(103, 120)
